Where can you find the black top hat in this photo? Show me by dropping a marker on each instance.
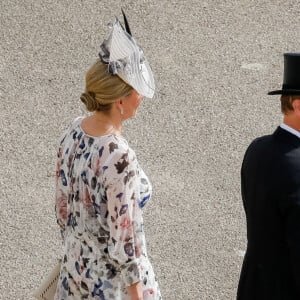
(291, 75)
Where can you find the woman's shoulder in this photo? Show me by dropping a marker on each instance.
(119, 154)
(72, 127)
(117, 146)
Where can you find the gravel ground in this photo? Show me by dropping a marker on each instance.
(214, 62)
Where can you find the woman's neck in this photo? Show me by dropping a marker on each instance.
(100, 123)
(108, 121)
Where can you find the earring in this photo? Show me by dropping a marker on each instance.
(121, 111)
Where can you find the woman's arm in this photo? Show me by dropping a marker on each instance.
(124, 216)
(60, 194)
(135, 291)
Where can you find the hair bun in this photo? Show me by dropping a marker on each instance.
(88, 98)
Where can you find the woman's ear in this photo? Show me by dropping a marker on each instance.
(119, 105)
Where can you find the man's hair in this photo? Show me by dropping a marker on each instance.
(286, 103)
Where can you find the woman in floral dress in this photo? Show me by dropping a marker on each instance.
(100, 187)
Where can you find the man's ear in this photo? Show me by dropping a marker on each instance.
(296, 106)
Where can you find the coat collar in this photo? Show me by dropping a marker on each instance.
(286, 136)
(290, 129)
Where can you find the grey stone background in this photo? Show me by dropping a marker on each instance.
(214, 62)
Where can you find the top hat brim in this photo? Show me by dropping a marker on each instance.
(285, 92)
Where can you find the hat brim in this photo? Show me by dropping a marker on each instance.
(285, 92)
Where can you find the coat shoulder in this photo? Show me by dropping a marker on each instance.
(260, 143)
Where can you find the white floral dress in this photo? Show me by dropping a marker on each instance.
(100, 192)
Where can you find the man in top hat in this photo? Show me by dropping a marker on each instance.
(270, 178)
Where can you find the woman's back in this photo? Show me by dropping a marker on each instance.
(99, 196)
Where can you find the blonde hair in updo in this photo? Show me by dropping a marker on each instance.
(102, 88)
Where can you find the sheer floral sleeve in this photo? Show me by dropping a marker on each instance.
(60, 195)
(121, 178)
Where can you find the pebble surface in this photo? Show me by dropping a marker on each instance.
(214, 62)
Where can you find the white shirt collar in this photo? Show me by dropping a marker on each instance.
(290, 129)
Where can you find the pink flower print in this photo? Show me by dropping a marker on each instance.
(137, 251)
(125, 223)
(149, 292)
(87, 201)
(57, 170)
(61, 205)
(58, 163)
(97, 167)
